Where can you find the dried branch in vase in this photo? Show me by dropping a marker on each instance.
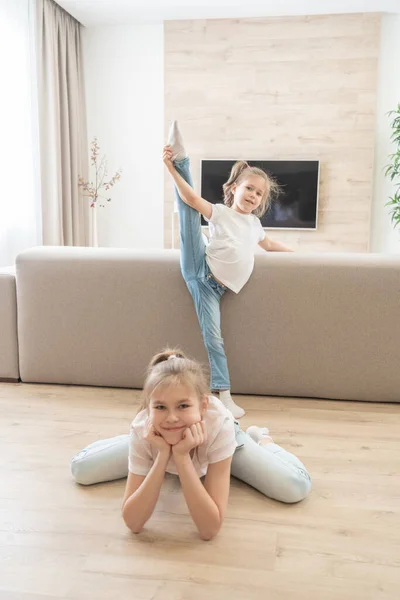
(95, 188)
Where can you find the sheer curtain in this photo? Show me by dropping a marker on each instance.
(67, 217)
(20, 211)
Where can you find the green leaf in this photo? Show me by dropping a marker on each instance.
(395, 220)
(392, 170)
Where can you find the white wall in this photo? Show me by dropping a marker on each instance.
(124, 75)
(124, 78)
(383, 237)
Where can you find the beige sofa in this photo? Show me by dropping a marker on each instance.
(9, 369)
(306, 325)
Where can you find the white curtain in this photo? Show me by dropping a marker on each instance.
(66, 214)
(20, 211)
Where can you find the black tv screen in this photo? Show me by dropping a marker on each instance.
(297, 205)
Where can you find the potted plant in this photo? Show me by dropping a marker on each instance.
(393, 169)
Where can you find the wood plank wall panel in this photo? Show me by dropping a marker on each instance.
(282, 88)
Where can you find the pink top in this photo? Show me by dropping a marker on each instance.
(220, 444)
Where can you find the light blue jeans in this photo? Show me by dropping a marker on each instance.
(204, 289)
(269, 469)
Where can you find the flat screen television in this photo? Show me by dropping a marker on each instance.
(296, 207)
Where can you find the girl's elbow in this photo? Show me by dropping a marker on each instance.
(130, 523)
(207, 536)
(134, 527)
(188, 201)
(136, 530)
(209, 533)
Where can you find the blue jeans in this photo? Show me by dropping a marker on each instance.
(269, 469)
(205, 290)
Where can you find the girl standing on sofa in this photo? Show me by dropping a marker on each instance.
(181, 429)
(227, 262)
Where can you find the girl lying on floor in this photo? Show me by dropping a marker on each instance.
(182, 429)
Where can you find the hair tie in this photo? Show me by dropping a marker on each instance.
(172, 356)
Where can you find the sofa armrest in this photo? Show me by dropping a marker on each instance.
(9, 369)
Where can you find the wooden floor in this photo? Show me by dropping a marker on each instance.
(60, 540)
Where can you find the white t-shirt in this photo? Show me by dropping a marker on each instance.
(220, 443)
(233, 240)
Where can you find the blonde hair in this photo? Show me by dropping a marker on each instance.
(240, 170)
(172, 367)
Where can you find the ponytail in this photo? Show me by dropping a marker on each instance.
(236, 172)
(163, 356)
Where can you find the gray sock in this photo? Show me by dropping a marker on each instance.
(176, 142)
